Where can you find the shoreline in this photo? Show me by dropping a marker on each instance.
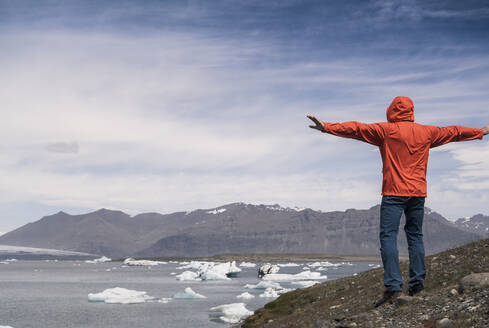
(277, 258)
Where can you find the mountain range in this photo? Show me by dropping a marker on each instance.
(236, 228)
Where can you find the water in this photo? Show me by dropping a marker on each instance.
(42, 294)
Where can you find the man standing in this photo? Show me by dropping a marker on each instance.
(404, 147)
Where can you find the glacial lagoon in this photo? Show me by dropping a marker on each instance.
(55, 294)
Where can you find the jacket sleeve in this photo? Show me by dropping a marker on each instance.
(372, 133)
(443, 135)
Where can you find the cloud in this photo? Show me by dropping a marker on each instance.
(63, 147)
(176, 119)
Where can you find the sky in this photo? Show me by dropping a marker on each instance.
(164, 106)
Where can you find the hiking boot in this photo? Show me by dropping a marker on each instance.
(415, 289)
(389, 296)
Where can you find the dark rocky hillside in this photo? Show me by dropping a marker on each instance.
(456, 295)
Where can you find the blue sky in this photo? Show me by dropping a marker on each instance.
(177, 105)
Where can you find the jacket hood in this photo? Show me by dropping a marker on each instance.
(401, 109)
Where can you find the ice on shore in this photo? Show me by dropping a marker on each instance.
(119, 295)
(187, 275)
(305, 283)
(247, 265)
(132, 262)
(99, 260)
(269, 292)
(245, 296)
(230, 313)
(305, 275)
(324, 264)
(264, 285)
(188, 294)
(374, 265)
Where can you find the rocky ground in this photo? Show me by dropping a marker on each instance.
(456, 295)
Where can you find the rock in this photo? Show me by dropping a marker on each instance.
(404, 300)
(474, 281)
(453, 257)
(445, 322)
(424, 317)
(453, 292)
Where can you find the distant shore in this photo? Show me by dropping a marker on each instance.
(279, 258)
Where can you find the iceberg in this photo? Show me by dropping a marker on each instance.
(188, 294)
(305, 275)
(132, 262)
(99, 260)
(230, 313)
(120, 295)
(267, 268)
(213, 271)
(247, 265)
(245, 296)
(187, 275)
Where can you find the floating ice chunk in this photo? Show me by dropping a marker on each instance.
(188, 294)
(267, 268)
(285, 265)
(245, 296)
(194, 265)
(247, 265)
(6, 327)
(120, 295)
(164, 300)
(230, 313)
(216, 211)
(321, 269)
(305, 283)
(4, 262)
(264, 285)
(173, 273)
(213, 275)
(306, 275)
(99, 260)
(188, 275)
(132, 262)
(374, 265)
(11, 260)
(306, 268)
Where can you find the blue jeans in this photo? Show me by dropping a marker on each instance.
(390, 216)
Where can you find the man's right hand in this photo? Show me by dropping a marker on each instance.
(319, 125)
(486, 129)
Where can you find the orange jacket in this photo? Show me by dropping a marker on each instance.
(404, 145)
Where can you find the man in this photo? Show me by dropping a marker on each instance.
(404, 147)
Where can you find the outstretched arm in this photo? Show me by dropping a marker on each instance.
(443, 135)
(371, 133)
